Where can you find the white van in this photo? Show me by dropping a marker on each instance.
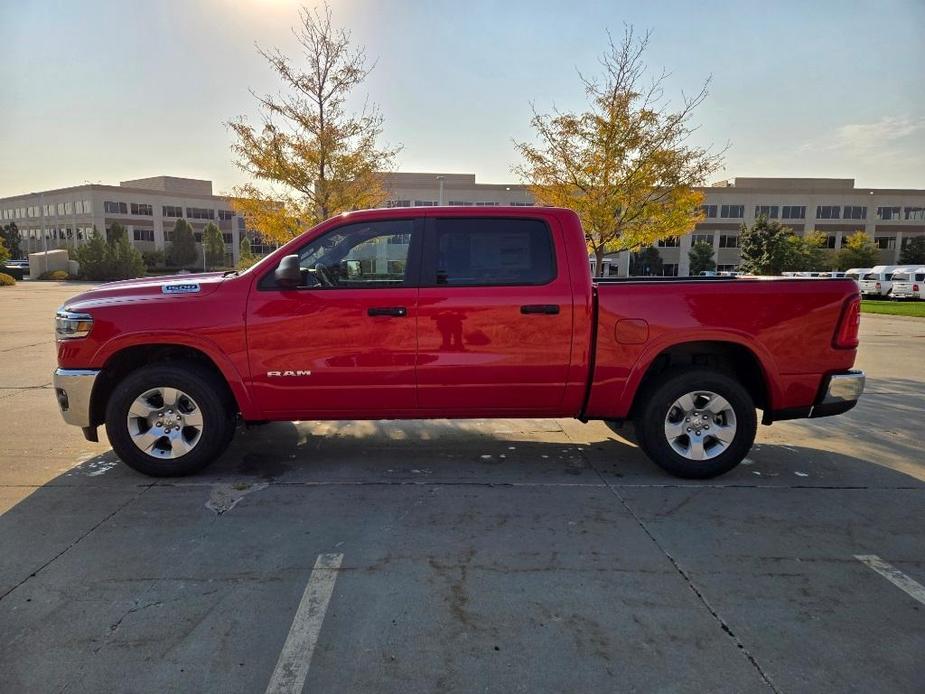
(878, 281)
(909, 283)
(855, 273)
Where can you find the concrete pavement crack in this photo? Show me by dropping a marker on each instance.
(77, 541)
(690, 583)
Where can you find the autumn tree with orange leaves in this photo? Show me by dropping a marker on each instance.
(311, 158)
(625, 165)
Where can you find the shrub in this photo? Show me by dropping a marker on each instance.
(115, 260)
(153, 259)
(54, 275)
(6, 280)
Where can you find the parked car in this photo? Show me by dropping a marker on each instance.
(909, 284)
(878, 281)
(452, 312)
(855, 273)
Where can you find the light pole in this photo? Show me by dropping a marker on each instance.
(440, 180)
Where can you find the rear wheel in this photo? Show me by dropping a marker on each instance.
(169, 419)
(696, 423)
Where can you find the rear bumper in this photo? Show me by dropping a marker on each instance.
(73, 389)
(838, 393)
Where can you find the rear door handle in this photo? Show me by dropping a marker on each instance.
(550, 309)
(398, 311)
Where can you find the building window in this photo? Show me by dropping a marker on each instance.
(398, 203)
(143, 234)
(225, 215)
(115, 207)
(670, 242)
(200, 213)
(727, 268)
(487, 203)
(702, 238)
(462, 203)
(769, 211)
(142, 209)
(887, 243)
(729, 241)
(830, 241)
(709, 211)
(854, 212)
(425, 203)
(793, 212)
(669, 270)
(915, 213)
(887, 213)
(732, 211)
(172, 211)
(521, 204)
(828, 212)
(228, 238)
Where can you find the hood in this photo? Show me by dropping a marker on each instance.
(164, 288)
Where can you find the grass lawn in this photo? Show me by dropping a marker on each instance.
(895, 308)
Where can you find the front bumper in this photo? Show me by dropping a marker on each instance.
(73, 388)
(840, 393)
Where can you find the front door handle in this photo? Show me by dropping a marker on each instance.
(549, 309)
(398, 311)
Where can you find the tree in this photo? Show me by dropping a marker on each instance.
(10, 237)
(315, 158)
(182, 250)
(246, 256)
(4, 251)
(701, 258)
(804, 253)
(115, 233)
(115, 259)
(914, 251)
(214, 244)
(858, 251)
(624, 165)
(648, 261)
(766, 248)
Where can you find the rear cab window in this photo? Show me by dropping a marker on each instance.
(470, 252)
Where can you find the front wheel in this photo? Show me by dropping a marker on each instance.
(696, 423)
(169, 419)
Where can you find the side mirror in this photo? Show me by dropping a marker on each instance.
(288, 273)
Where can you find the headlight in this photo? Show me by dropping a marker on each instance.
(69, 326)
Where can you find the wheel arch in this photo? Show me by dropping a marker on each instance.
(127, 359)
(728, 356)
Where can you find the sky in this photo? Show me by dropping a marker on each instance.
(108, 90)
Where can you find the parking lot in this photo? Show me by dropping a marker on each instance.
(500, 556)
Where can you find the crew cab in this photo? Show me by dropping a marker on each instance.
(452, 312)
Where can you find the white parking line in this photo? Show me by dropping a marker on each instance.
(894, 576)
(296, 656)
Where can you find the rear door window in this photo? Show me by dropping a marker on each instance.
(492, 252)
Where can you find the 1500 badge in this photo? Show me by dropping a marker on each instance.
(185, 288)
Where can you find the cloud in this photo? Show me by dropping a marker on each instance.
(878, 133)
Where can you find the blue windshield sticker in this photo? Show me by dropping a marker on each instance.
(185, 288)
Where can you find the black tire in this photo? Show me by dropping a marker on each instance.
(658, 400)
(208, 392)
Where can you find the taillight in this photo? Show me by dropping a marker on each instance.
(915, 287)
(878, 286)
(846, 333)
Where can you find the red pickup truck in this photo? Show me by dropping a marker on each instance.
(452, 312)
